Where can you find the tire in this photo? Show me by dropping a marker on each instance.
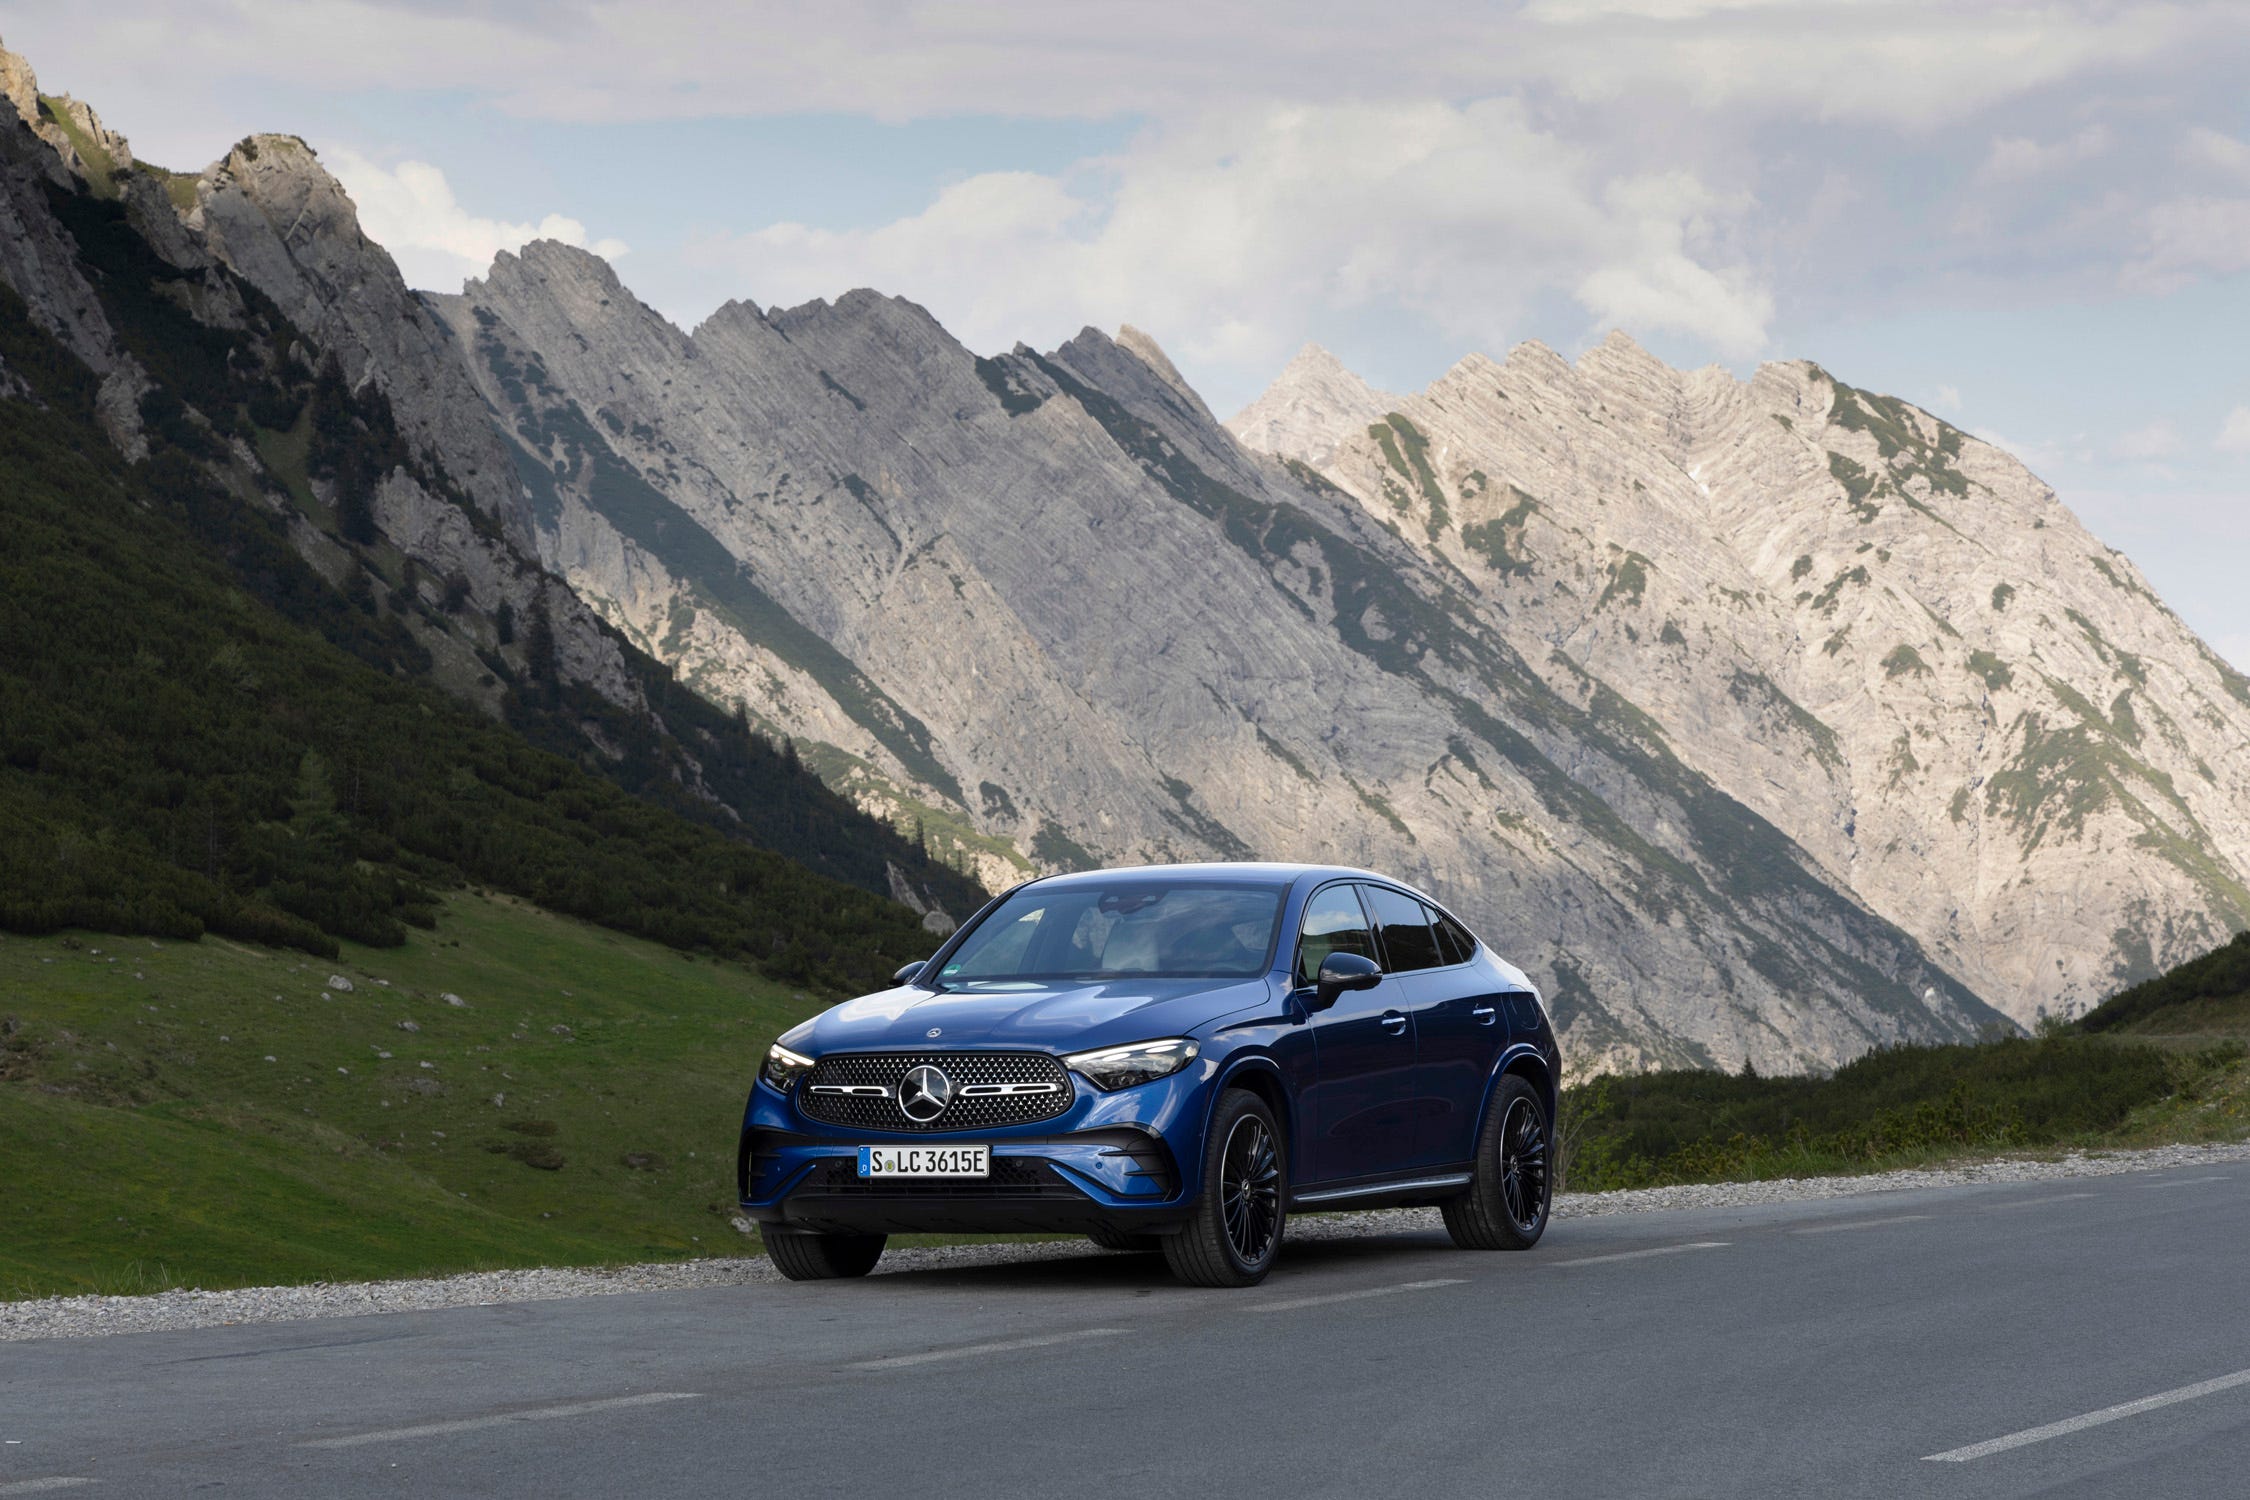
(1245, 1190)
(1506, 1205)
(823, 1257)
(1118, 1239)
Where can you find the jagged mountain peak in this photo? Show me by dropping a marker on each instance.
(84, 146)
(1150, 353)
(864, 312)
(1885, 635)
(1314, 404)
(18, 83)
(554, 260)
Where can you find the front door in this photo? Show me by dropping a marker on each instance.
(1359, 1111)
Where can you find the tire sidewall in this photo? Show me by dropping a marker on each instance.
(1235, 1106)
(1492, 1160)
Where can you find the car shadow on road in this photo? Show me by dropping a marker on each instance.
(1113, 1270)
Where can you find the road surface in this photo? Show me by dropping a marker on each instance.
(2087, 1337)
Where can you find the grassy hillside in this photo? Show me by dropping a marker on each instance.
(2164, 1061)
(213, 1114)
(2207, 996)
(199, 733)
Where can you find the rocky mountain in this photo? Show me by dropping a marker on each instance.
(261, 363)
(1043, 606)
(1886, 637)
(1314, 404)
(1766, 722)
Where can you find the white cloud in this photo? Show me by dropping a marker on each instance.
(1949, 398)
(410, 211)
(1217, 236)
(2147, 442)
(2186, 239)
(2203, 146)
(1904, 62)
(2234, 432)
(2018, 158)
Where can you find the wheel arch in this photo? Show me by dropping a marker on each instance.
(1259, 1075)
(1523, 1061)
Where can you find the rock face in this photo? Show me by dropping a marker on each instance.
(1768, 721)
(38, 258)
(1884, 636)
(1314, 405)
(272, 213)
(1046, 607)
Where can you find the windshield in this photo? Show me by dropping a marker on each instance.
(1130, 928)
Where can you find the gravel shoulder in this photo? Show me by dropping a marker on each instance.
(98, 1316)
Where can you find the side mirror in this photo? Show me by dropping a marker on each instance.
(1340, 972)
(908, 973)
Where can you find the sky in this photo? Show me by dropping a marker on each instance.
(2032, 219)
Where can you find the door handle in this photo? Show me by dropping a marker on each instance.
(1485, 1015)
(1394, 1023)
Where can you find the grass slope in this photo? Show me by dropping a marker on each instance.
(2165, 1061)
(151, 1142)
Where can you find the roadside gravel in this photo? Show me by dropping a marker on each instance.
(94, 1317)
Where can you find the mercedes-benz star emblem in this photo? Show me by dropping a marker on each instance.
(933, 1031)
(923, 1094)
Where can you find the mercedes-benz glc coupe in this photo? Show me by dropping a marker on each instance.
(1164, 1058)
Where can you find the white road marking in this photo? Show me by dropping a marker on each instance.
(2034, 1202)
(2183, 1182)
(1289, 1303)
(2029, 1435)
(1598, 1260)
(500, 1419)
(970, 1351)
(41, 1486)
(1859, 1224)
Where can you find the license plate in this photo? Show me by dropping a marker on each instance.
(925, 1161)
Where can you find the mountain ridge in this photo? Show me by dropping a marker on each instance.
(336, 511)
(963, 532)
(1044, 610)
(1764, 522)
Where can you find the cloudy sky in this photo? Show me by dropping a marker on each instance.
(2033, 219)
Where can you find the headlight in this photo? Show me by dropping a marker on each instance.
(784, 1067)
(1122, 1067)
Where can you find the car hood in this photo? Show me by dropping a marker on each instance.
(1050, 1017)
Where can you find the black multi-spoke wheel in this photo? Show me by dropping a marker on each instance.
(1236, 1230)
(1505, 1207)
(1250, 1188)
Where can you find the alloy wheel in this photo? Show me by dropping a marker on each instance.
(1523, 1165)
(1250, 1189)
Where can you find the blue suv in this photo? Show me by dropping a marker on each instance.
(1164, 1058)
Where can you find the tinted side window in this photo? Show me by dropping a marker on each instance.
(1334, 923)
(1455, 940)
(1409, 940)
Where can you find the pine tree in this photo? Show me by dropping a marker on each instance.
(539, 645)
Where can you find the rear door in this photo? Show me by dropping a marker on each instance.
(1358, 1112)
(1459, 1024)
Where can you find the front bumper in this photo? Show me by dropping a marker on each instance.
(1121, 1161)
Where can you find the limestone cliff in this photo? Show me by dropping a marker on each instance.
(1044, 605)
(1887, 637)
(1314, 405)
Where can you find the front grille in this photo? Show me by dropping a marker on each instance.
(1012, 1177)
(885, 1070)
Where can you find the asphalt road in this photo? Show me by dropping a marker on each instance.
(1944, 1343)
